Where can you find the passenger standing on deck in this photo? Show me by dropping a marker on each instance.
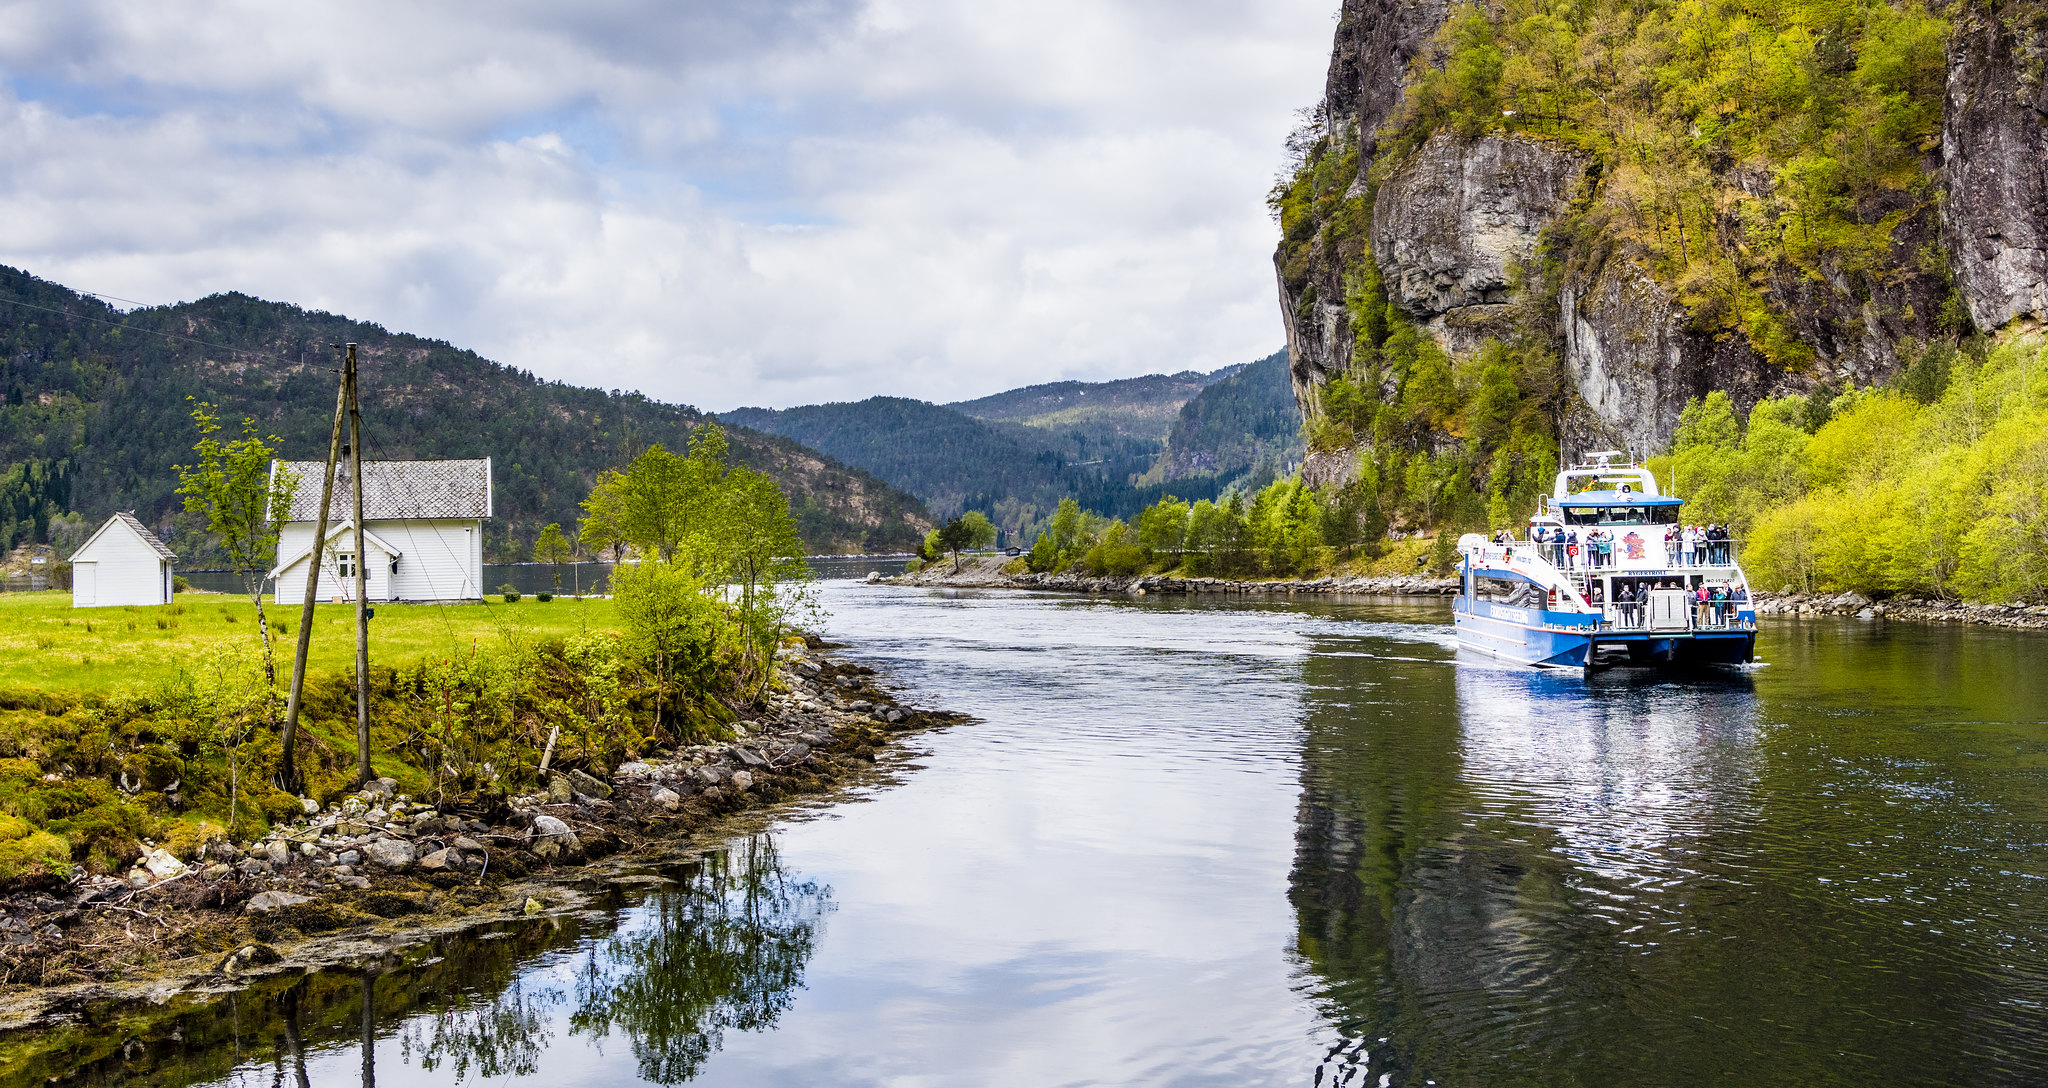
(1627, 600)
(1699, 545)
(1699, 601)
(1671, 544)
(1607, 547)
(1720, 604)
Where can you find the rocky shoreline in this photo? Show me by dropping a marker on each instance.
(2016, 616)
(987, 573)
(386, 869)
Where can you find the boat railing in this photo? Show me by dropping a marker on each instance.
(1704, 554)
(1721, 615)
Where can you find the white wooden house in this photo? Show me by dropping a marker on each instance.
(122, 563)
(422, 527)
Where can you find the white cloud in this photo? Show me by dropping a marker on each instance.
(718, 204)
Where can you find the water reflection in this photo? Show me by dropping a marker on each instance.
(688, 968)
(720, 947)
(1507, 877)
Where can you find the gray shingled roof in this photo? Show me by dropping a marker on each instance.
(397, 489)
(148, 537)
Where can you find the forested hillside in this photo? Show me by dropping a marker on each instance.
(1243, 431)
(1142, 408)
(97, 416)
(1936, 487)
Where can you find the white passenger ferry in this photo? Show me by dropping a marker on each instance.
(1608, 575)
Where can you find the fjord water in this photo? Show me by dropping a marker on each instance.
(1202, 842)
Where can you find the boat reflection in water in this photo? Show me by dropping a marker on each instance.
(1496, 882)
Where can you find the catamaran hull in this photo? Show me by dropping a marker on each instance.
(1566, 640)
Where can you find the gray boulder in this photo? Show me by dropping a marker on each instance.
(442, 860)
(265, 902)
(589, 784)
(394, 854)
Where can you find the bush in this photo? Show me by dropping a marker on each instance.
(179, 584)
(913, 566)
(511, 594)
(543, 597)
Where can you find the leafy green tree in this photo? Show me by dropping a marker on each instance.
(667, 616)
(245, 505)
(604, 524)
(552, 547)
(965, 531)
(1163, 527)
(761, 555)
(981, 532)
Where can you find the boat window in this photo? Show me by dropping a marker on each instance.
(1508, 591)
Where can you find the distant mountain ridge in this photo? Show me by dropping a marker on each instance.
(1115, 447)
(103, 394)
(1142, 407)
(956, 462)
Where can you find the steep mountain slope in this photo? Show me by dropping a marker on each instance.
(1143, 408)
(1513, 224)
(1241, 430)
(105, 394)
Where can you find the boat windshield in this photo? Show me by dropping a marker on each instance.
(1622, 515)
(1615, 480)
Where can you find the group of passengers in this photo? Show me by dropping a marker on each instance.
(1687, 545)
(1698, 545)
(1567, 551)
(1713, 606)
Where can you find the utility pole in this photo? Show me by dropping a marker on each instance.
(289, 771)
(355, 444)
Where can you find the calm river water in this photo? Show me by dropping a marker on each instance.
(1286, 843)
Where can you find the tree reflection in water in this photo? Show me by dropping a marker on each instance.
(727, 952)
(503, 1037)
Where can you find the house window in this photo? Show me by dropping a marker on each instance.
(345, 564)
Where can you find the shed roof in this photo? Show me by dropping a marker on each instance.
(396, 489)
(133, 525)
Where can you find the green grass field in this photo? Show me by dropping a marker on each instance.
(48, 645)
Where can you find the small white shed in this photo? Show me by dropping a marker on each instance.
(124, 563)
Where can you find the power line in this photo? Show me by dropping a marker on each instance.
(161, 333)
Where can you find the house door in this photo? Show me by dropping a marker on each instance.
(85, 584)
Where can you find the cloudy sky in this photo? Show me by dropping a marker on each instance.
(763, 202)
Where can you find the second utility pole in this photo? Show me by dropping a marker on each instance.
(364, 773)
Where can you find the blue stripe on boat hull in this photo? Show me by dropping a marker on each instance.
(1519, 639)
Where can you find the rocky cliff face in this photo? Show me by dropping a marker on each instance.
(1369, 69)
(1448, 222)
(1995, 144)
